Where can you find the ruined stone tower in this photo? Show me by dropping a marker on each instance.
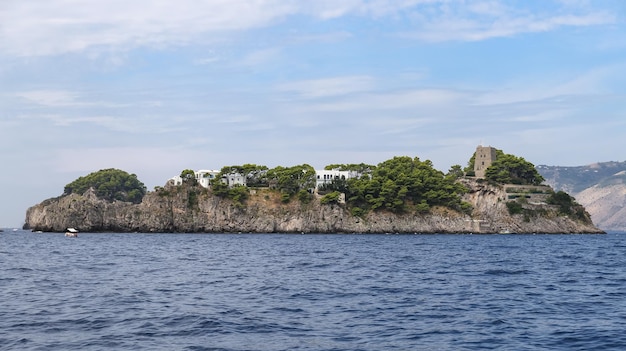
(485, 155)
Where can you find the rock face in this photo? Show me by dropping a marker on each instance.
(600, 187)
(606, 204)
(195, 209)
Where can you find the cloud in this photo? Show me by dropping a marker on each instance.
(61, 99)
(54, 27)
(399, 126)
(50, 98)
(258, 57)
(50, 27)
(587, 85)
(416, 99)
(487, 20)
(326, 87)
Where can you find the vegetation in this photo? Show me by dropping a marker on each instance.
(398, 185)
(402, 184)
(238, 194)
(304, 196)
(331, 198)
(192, 198)
(509, 169)
(109, 184)
(469, 170)
(567, 205)
(455, 172)
(514, 207)
(188, 176)
(291, 180)
(361, 167)
(256, 175)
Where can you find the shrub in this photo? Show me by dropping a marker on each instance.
(304, 196)
(331, 198)
(514, 207)
(358, 212)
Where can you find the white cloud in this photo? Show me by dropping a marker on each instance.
(330, 9)
(50, 98)
(487, 20)
(52, 27)
(326, 87)
(399, 126)
(48, 27)
(396, 100)
(588, 85)
(258, 57)
(61, 98)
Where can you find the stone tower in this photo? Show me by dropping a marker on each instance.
(485, 155)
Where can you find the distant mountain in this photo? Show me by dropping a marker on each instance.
(600, 187)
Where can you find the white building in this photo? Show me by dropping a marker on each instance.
(176, 180)
(326, 176)
(206, 176)
(203, 176)
(233, 179)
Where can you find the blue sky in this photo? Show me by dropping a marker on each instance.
(155, 87)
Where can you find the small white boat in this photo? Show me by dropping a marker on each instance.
(72, 233)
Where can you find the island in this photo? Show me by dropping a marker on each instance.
(496, 193)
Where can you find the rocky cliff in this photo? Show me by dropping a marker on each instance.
(600, 187)
(195, 209)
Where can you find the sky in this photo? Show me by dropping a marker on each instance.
(153, 87)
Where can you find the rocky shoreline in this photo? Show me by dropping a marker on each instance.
(264, 213)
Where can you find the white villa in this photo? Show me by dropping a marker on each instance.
(205, 177)
(328, 176)
(235, 179)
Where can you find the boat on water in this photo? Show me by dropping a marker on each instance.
(71, 233)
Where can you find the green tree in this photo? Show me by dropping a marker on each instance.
(469, 169)
(188, 176)
(109, 184)
(455, 172)
(220, 188)
(331, 198)
(256, 175)
(290, 180)
(401, 181)
(509, 169)
(238, 194)
(340, 184)
(360, 168)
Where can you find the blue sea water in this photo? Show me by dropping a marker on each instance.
(312, 292)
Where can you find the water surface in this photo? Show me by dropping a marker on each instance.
(312, 292)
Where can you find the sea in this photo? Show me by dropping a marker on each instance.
(128, 291)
